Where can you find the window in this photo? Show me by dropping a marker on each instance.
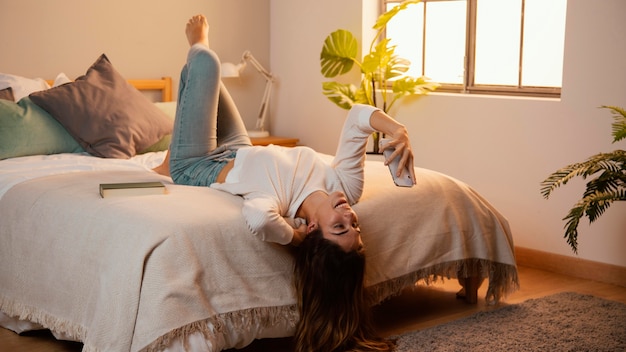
(483, 46)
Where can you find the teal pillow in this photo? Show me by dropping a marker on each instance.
(27, 129)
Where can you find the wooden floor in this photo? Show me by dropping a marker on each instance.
(415, 309)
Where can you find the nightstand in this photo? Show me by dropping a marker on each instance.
(283, 141)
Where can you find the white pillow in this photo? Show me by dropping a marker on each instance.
(22, 86)
(168, 107)
(61, 79)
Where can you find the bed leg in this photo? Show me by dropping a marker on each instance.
(471, 289)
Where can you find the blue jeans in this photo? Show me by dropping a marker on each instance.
(208, 128)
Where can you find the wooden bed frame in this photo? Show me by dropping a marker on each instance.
(164, 85)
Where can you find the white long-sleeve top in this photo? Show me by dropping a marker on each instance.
(275, 180)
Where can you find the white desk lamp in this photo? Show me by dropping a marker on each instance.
(234, 70)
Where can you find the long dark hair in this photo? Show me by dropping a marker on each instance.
(334, 314)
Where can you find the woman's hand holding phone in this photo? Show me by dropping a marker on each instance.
(402, 172)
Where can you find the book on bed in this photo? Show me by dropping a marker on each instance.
(131, 189)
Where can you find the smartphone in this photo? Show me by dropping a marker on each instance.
(405, 179)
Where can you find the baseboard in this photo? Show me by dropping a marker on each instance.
(561, 264)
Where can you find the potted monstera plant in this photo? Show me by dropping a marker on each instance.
(383, 72)
(608, 185)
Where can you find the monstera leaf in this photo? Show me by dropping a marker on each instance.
(383, 72)
(344, 95)
(381, 22)
(338, 54)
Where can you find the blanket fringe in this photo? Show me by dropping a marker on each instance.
(218, 325)
(503, 278)
(70, 331)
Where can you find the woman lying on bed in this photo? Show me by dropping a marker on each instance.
(291, 196)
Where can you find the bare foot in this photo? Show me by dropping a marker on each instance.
(197, 30)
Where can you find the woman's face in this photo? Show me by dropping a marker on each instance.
(339, 223)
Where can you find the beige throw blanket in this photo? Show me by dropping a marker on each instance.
(136, 273)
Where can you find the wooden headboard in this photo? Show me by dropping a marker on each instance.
(164, 85)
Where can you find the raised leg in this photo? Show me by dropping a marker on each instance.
(208, 127)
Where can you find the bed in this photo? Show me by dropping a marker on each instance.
(180, 270)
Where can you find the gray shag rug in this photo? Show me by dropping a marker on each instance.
(561, 322)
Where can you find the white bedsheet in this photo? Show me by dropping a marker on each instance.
(17, 170)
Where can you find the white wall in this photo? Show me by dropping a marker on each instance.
(504, 147)
(142, 38)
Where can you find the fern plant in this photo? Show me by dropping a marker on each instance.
(608, 186)
(383, 72)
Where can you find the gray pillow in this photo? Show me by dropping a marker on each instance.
(106, 115)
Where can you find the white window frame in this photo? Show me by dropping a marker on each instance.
(468, 85)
